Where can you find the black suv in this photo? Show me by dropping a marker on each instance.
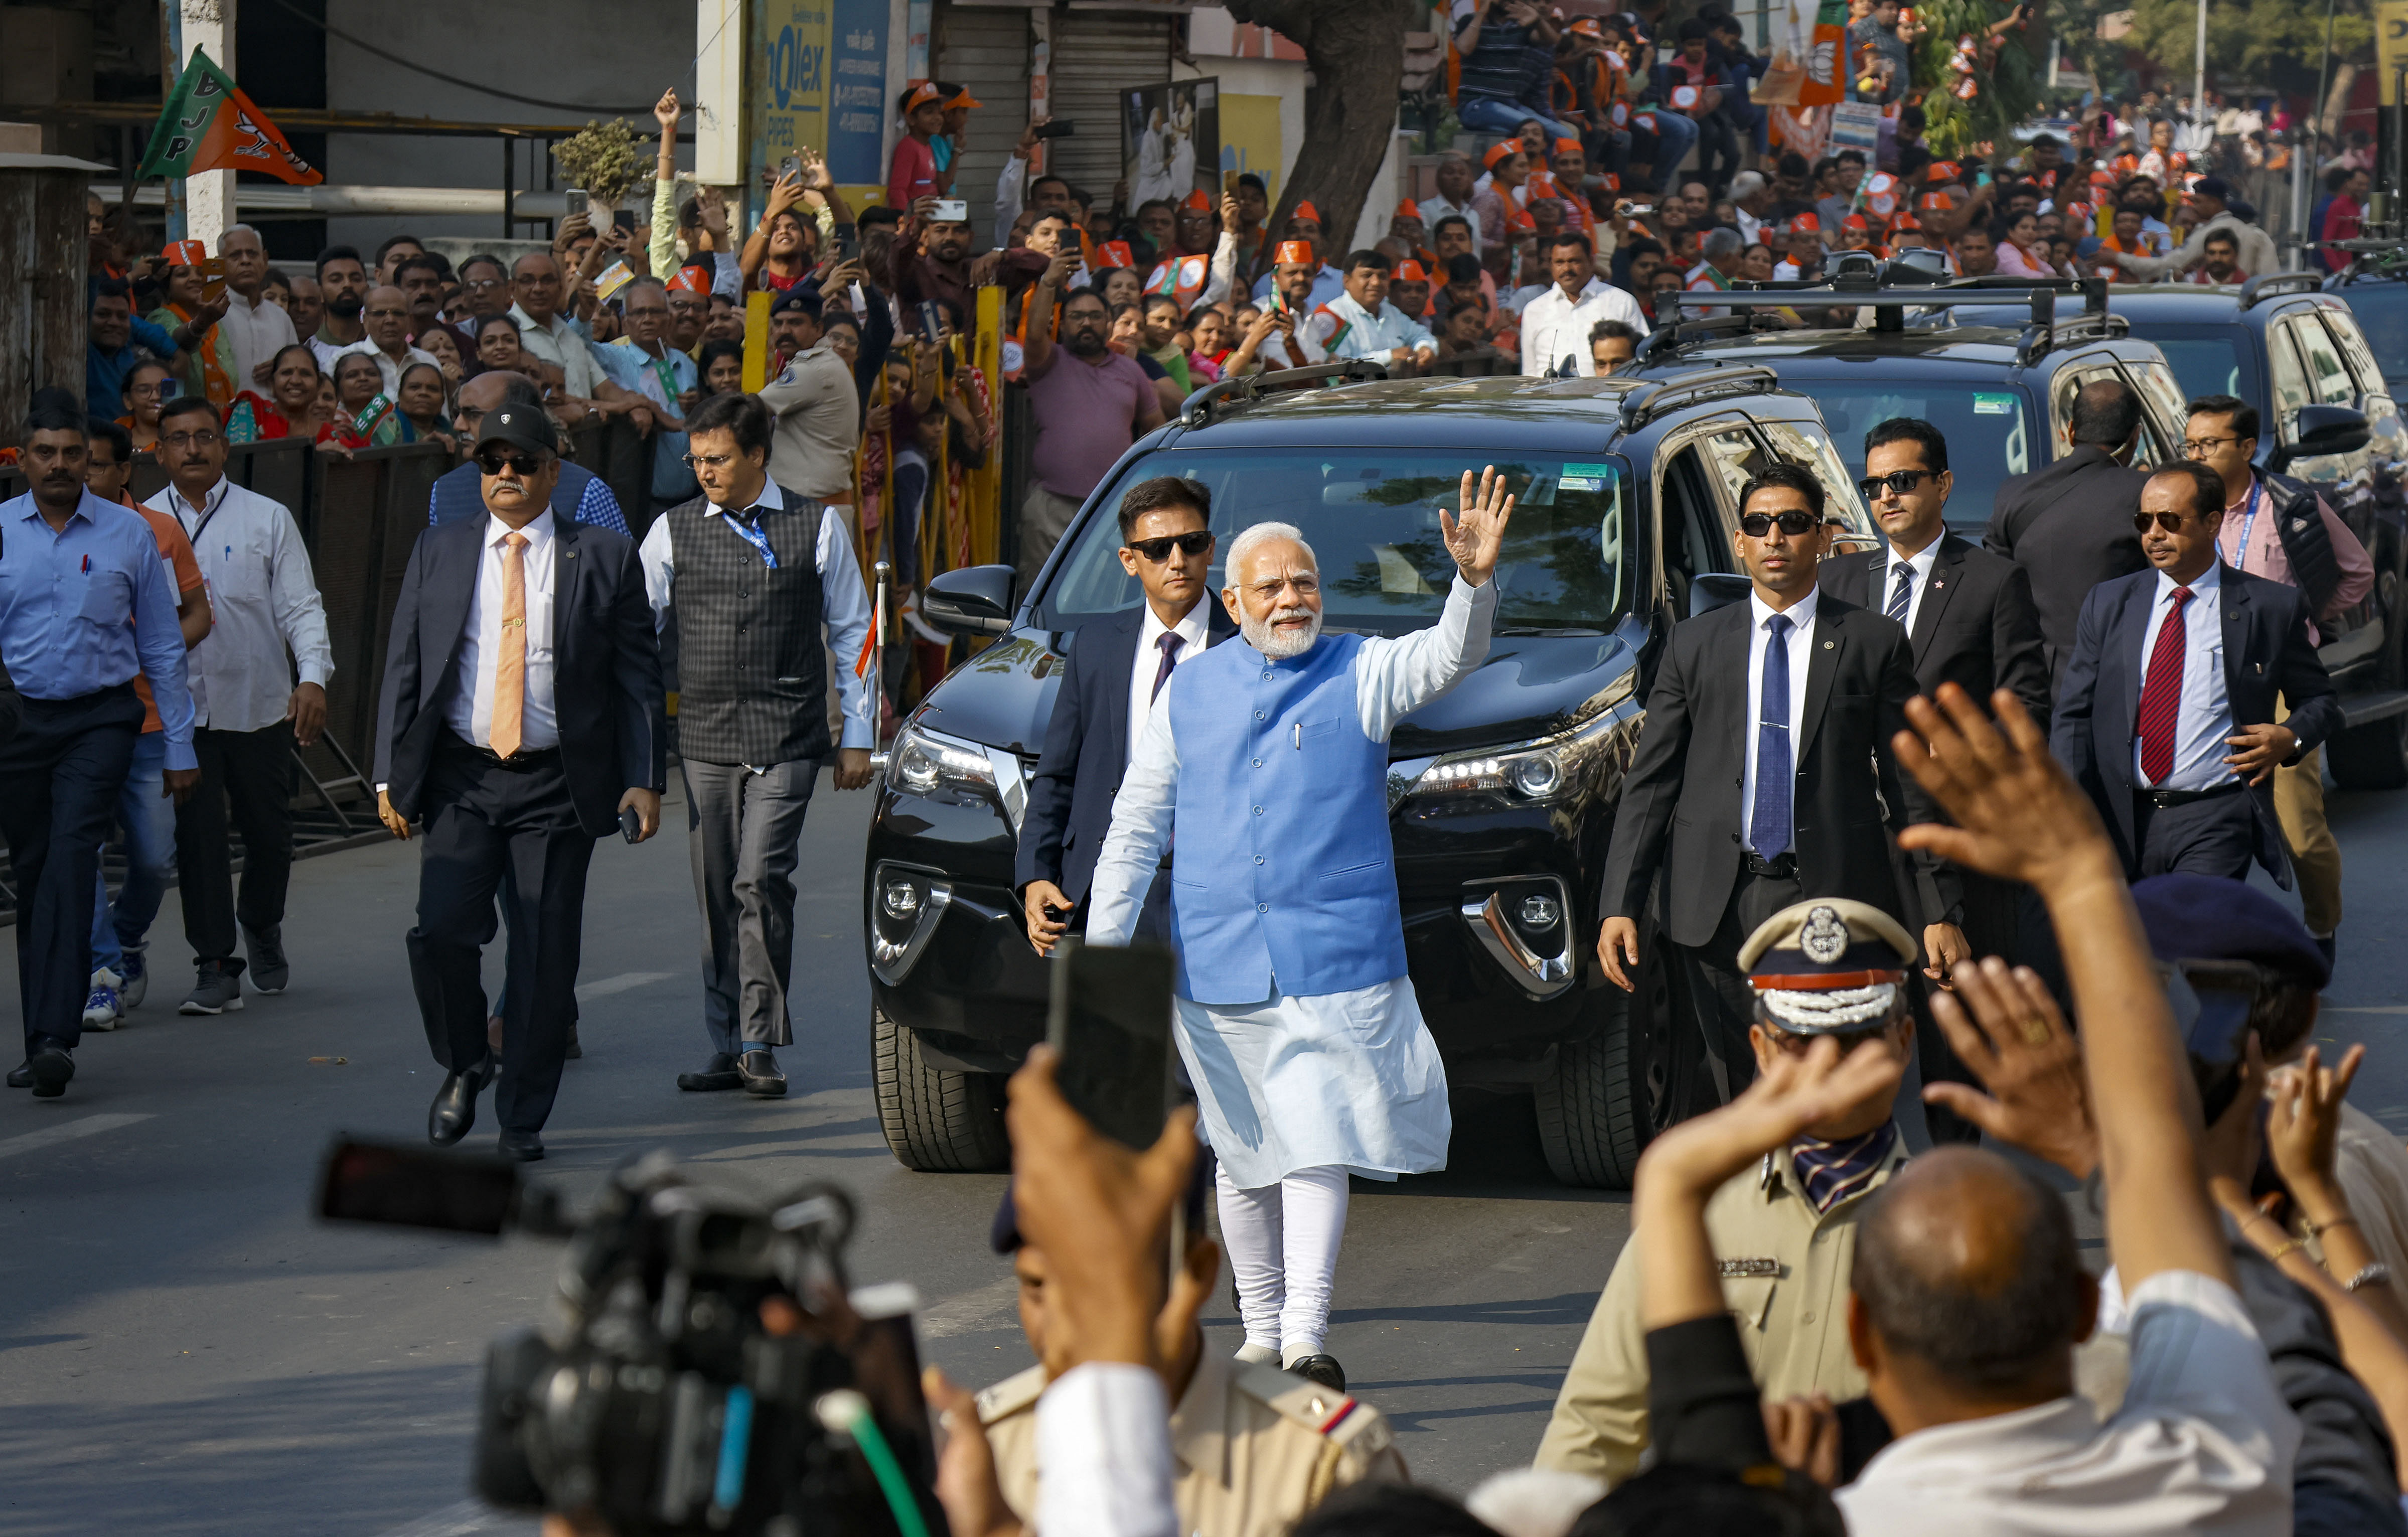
(1988, 361)
(1502, 794)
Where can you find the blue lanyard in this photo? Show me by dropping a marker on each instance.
(751, 533)
(2248, 522)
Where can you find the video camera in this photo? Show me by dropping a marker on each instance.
(705, 1369)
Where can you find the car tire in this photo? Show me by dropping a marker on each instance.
(1607, 1095)
(2373, 756)
(937, 1120)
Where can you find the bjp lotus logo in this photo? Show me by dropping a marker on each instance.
(1823, 62)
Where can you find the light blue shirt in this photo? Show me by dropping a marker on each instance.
(1374, 335)
(630, 368)
(2205, 718)
(1329, 285)
(87, 607)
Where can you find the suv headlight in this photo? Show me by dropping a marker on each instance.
(1548, 770)
(925, 763)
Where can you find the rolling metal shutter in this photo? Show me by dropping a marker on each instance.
(1097, 55)
(987, 49)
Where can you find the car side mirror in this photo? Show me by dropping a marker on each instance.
(1714, 590)
(2319, 430)
(972, 600)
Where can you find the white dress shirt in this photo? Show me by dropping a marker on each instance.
(264, 599)
(470, 713)
(410, 358)
(1194, 633)
(563, 346)
(257, 329)
(844, 604)
(1435, 208)
(1367, 335)
(1555, 327)
(1800, 615)
(1921, 562)
(2205, 718)
(2202, 1442)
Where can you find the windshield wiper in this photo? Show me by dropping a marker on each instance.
(1548, 631)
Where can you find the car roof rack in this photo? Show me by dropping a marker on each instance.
(1196, 410)
(1650, 401)
(1889, 301)
(2268, 285)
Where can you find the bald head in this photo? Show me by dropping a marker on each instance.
(1966, 1266)
(2106, 412)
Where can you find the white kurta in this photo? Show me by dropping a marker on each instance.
(1351, 1080)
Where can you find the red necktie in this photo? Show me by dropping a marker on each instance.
(2161, 693)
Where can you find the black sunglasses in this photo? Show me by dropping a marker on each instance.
(1158, 550)
(1897, 482)
(493, 464)
(2170, 521)
(1794, 522)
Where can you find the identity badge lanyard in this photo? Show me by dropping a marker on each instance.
(2248, 522)
(748, 526)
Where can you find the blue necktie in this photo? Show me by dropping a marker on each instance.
(1903, 594)
(1769, 827)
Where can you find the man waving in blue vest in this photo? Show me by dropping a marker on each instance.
(1297, 1022)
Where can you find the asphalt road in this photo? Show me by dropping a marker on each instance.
(184, 1350)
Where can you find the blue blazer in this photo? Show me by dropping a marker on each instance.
(2266, 652)
(606, 692)
(1086, 751)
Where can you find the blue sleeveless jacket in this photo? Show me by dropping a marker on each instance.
(1286, 867)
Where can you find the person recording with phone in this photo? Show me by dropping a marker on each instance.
(753, 569)
(1117, 669)
(1294, 1016)
(522, 717)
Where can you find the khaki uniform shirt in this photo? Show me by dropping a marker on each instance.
(1255, 1448)
(1784, 1276)
(819, 425)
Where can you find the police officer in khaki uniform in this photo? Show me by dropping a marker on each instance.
(1255, 1447)
(1786, 1230)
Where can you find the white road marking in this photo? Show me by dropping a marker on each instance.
(623, 982)
(467, 1517)
(993, 1305)
(91, 1126)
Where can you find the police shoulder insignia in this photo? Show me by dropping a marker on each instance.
(1735, 1270)
(1825, 937)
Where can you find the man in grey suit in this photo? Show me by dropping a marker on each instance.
(2070, 526)
(754, 571)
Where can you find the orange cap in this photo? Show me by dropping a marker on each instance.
(185, 253)
(921, 95)
(1293, 253)
(1856, 221)
(1198, 202)
(1409, 209)
(963, 98)
(1520, 219)
(1941, 171)
(1410, 271)
(1904, 219)
(1587, 27)
(1498, 152)
(688, 279)
(1305, 210)
(1565, 147)
(1805, 223)
(1112, 253)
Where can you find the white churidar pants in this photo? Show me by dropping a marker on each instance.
(1283, 1244)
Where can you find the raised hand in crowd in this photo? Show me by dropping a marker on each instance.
(2030, 1064)
(1474, 536)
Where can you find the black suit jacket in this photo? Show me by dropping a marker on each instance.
(2069, 527)
(2266, 652)
(606, 666)
(1086, 753)
(1976, 627)
(1680, 809)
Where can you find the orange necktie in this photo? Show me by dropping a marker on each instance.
(509, 661)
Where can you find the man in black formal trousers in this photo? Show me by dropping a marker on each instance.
(1118, 667)
(523, 715)
(2168, 715)
(1969, 620)
(2070, 525)
(1753, 801)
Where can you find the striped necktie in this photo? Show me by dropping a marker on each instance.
(1902, 595)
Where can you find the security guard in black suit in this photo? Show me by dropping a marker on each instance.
(1750, 796)
(1969, 620)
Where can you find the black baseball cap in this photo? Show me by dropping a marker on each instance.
(521, 427)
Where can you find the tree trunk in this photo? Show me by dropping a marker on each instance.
(2345, 78)
(1355, 50)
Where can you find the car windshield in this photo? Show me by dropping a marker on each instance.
(2382, 312)
(1371, 518)
(2208, 360)
(1989, 431)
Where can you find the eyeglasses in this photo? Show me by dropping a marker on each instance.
(1306, 586)
(1898, 482)
(1157, 550)
(2200, 448)
(1794, 522)
(710, 461)
(493, 464)
(388, 314)
(481, 285)
(2170, 521)
(149, 392)
(189, 440)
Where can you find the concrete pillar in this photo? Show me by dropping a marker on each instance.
(208, 197)
(718, 105)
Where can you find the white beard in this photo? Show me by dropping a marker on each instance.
(1279, 645)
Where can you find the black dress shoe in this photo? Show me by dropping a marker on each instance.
(21, 1075)
(525, 1146)
(717, 1074)
(455, 1109)
(574, 1051)
(761, 1074)
(1324, 1369)
(51, 1065)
